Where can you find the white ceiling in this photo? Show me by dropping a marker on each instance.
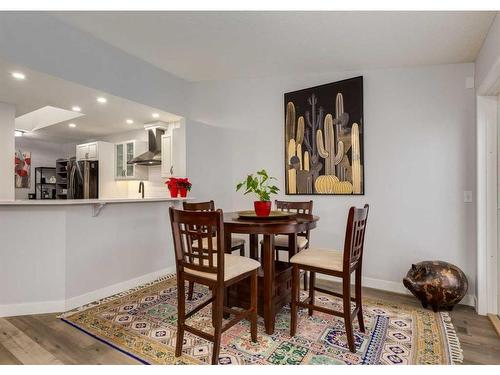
(43, 117)
(223, 45)
(39, 90)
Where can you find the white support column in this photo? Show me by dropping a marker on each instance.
(7, 148)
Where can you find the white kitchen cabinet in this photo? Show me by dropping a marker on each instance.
(81, 152)
(92, 152)
(87, 151)
(167, 167)
(124, 152)
(173, 151)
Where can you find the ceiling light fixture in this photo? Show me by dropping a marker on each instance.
(18, 133)
(102, 100)
(72, 125)
(155, 115)
(129, 121)
(18, 75)
(76, 108)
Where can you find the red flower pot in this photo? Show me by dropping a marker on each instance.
(173, 191)
(183, 192)
(262, 208)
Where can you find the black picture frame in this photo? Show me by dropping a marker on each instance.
(314, 105)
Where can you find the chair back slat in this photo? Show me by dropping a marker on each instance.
(194, 248)
(297, 207)
(355, 235)
(199, 206)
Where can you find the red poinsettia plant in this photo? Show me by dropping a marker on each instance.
(178, 185)
(171, 183)
(183, 183)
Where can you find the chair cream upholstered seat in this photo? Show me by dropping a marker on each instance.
(321, 258)
(234, 265)
(282, 241)
(234, 242)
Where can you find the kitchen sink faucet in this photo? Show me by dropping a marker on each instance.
(141, 188)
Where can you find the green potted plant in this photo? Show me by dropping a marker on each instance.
(261, 186)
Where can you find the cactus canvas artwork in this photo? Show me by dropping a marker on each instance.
(324, 139)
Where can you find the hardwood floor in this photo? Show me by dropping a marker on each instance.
(44, 339)
(55, 342)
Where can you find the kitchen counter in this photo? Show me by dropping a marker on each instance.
(65, 202)
(56, 255)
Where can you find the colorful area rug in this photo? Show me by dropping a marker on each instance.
(142, 323)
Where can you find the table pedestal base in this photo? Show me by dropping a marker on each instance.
(238, 295)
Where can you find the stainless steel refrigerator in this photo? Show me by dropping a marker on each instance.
(83, 179)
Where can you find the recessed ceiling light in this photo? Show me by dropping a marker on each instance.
(76, 108)
(18, 133)
(18, 75)
(155, 115)
(102, 99)
(129, 121)
(72, 125)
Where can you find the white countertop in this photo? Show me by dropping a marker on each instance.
(67, 202)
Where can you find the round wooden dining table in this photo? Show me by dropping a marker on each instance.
(275, 277)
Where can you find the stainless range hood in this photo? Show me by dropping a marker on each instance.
(153, 155)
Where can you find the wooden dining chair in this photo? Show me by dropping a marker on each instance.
(338, 264)
(236, 243)
(281, 240)
(211, 266)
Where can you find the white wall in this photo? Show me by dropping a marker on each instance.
(32, 259)
(419, 158)
(43, 154)
(210, 161)
(7, 114)
(129, 240)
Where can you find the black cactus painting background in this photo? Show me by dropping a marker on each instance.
(324, 139)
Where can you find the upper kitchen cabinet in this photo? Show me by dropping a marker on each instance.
(87, 151)
(124, 152)
(173, 151)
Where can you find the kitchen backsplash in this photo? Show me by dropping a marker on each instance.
(153, 188)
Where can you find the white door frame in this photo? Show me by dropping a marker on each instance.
(487, 204)
(487, 192)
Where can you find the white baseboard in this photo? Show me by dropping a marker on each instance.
(95, 295)
(31, 308)
(71, 303)
(395, 287)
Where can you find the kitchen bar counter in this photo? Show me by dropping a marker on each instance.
(59, 254)
(66, 202)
